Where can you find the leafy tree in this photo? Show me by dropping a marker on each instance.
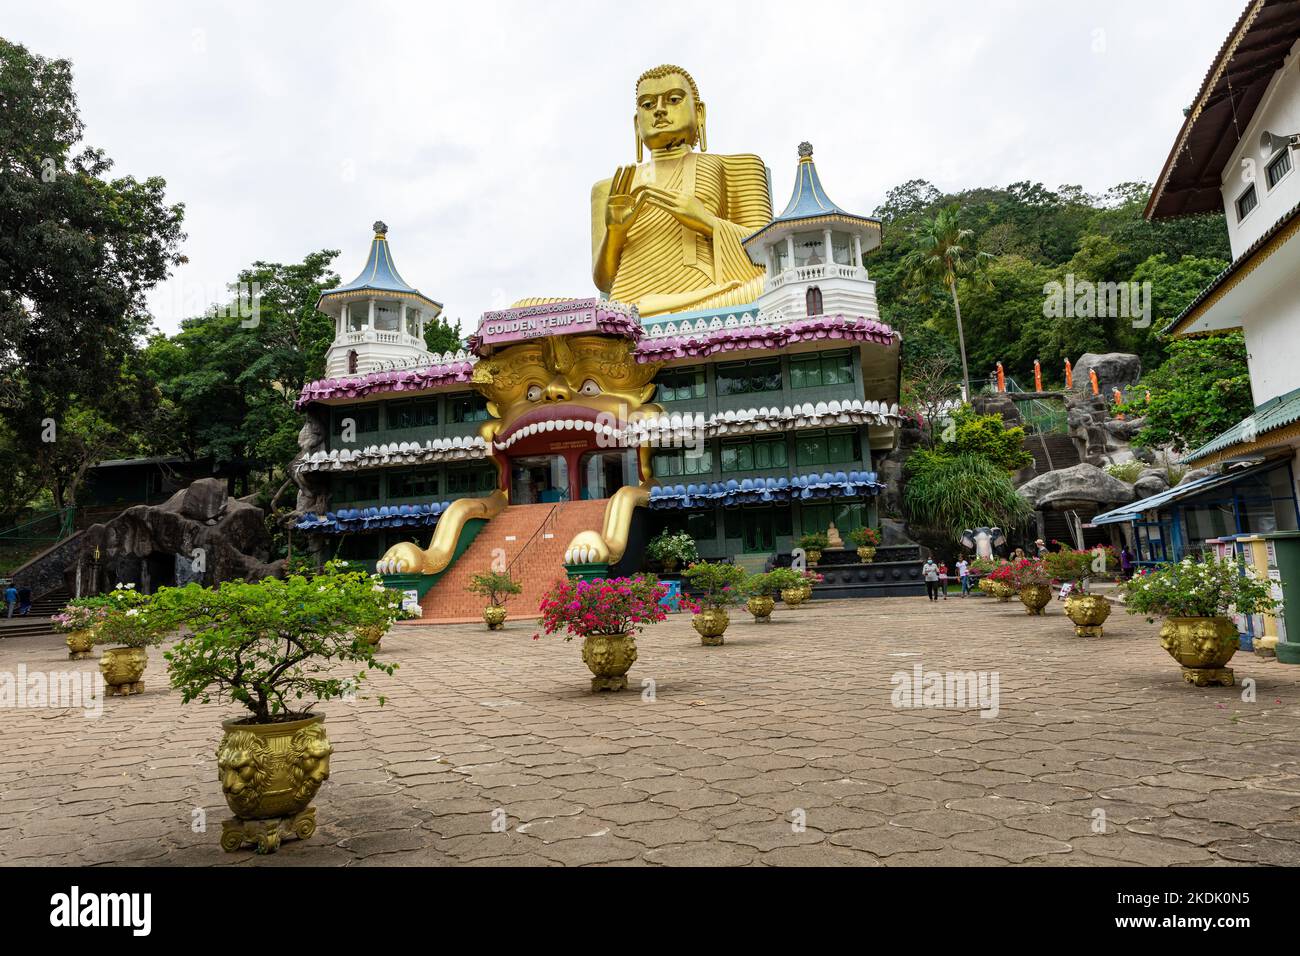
(986, 437)
(78, 253)
(1201, 391)
(229, 380)
(942, 254)
(442, 336)
(1174, 285)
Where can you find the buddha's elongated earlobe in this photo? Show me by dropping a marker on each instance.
(704, 136)
(640, 148)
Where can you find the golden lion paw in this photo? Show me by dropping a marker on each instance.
(587, 548)
(404, 558)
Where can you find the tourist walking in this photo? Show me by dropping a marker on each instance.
(1041, 545)
(930, 571)
(24, 601)
(943, 579)
(11, 598)
(1125, 563)
(963, 575)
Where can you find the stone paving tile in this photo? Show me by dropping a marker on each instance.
(492, 752)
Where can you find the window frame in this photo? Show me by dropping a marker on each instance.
(1253, 193)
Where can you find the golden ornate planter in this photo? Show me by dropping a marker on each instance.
(813, 557)
(122, 668)
(1035, 598)
(996, 589)
(761, 608)
(269, 774)
(372, 635)
(669, 565)
(1202, 645)
(792, 597)
(495, 618)
(79, 644)
(866, 555)
(710, 625)
(609, 657)
(1088, 612)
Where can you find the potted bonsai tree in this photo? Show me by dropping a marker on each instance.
(867, 540)
(788, 583)
(671, 549)
(761, 589)
(606, 614)
(813, 544)
(1075, 568)
(276, 647)
(79, 619)
(498, 587)
(1030, 580)
(128, 632)
(1195, 598)
(717, 587)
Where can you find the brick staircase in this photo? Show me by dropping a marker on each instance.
(533, 538)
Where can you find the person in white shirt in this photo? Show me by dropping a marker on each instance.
(963, 573)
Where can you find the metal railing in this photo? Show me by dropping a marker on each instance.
(1043, 418)
(547, 521)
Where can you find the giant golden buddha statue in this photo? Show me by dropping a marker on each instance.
(666, 233)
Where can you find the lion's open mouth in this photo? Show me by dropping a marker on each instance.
(561, 417)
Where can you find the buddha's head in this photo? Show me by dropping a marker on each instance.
(669, 111)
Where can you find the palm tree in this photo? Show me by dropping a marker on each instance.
(940, 256)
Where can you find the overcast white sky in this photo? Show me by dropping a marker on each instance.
(475, 130)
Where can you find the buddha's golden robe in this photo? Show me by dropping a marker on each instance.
(668, 267)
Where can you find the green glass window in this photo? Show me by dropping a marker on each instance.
(680, 384)
(738, 455)
(365, 419)
(824, 368)
(743, 378)
(467, 408)
(417, 414)
(678, 462)
(840, 446)
(463, 481)
(769, 453)
(361, 488)
(413, 484)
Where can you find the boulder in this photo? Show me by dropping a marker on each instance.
(1114, 370)
(204, 500)
(893, 533)
(1151, 481)
(1082, 486)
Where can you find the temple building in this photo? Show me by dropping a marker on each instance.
(732, 379)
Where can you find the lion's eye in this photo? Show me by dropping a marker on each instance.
(534, 393)
(590, 387)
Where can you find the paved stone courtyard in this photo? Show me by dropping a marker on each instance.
(787, 723)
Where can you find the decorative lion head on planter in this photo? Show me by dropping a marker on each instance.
(244, 769)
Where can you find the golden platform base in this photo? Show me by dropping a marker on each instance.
(266, 835)
(1205, 676)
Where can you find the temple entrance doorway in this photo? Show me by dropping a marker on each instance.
(539, 479)
(604, 472)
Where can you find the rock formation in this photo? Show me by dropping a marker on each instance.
(199, 534)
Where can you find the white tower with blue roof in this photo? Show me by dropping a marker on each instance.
(813, 254)
(379, 319)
